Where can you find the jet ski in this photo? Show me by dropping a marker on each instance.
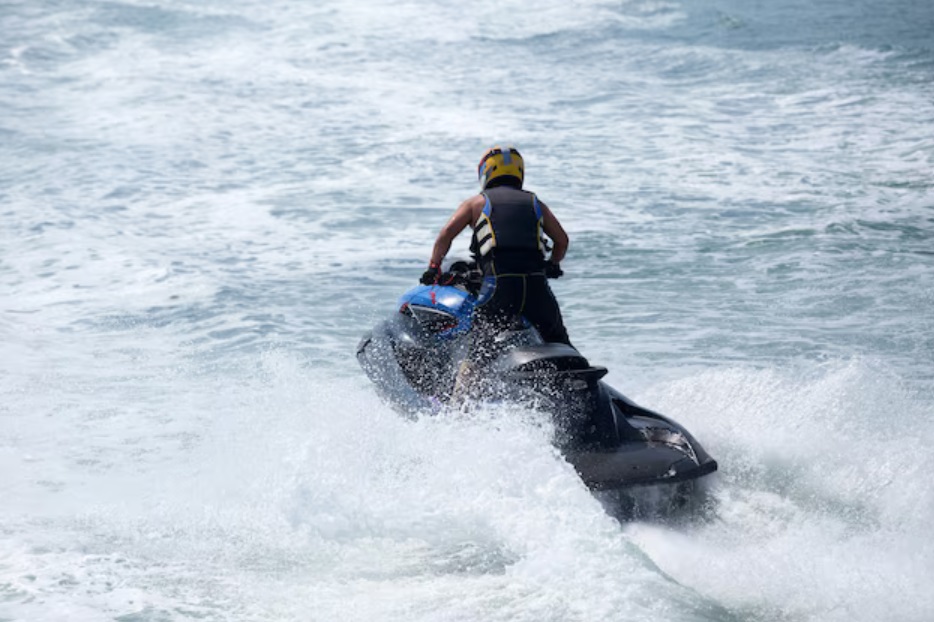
(634, 459)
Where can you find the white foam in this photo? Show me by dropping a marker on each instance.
(821, 494)
(292, 487)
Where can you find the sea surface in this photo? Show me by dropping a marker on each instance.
(204, 204)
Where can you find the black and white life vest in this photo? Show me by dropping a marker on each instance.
(507, 237)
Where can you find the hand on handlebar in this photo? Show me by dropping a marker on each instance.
(431, 276)
(553, 270)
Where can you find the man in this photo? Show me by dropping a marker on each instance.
(507, 242)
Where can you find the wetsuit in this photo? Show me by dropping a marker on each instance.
(507, 242)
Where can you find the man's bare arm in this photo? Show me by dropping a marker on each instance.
(462, 217)
(555, 231)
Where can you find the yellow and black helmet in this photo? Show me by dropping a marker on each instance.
(500, 163)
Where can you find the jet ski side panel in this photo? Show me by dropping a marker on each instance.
(377, 357)
(635, 464)
(631, 413)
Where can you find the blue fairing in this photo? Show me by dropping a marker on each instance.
(447, 298)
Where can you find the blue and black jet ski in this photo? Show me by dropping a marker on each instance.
(615, 445)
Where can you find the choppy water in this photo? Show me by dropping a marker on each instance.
(204, 204)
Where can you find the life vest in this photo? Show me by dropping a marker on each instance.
(507, 237)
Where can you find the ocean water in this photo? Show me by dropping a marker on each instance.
(203, 205)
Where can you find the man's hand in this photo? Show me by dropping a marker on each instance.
(553, 270)
(431, 275)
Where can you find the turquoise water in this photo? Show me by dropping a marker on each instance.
(205, 204)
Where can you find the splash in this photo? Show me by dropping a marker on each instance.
(822, 497)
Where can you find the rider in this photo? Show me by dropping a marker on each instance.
(507, 242)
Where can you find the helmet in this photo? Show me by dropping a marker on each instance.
(501, 163)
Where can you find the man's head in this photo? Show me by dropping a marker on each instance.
(501, 166)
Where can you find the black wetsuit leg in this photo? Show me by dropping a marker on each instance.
(506, 298)
(500, 304)
(541, 309)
